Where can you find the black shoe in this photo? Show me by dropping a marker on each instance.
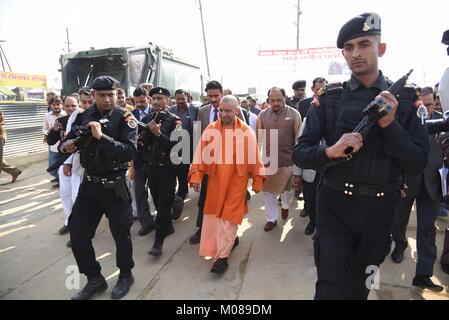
(177, 207)
(156, 250)
(144, 231)
(55, 186)
(196, 238)
(93, 287)
(69, 244)
(54, 180)
(122, 287)
(310, 229)
(279, 200)
(220, 266)
(236, 243)
(303, 213)
(398, 253)
(64, 229)
(424, 282)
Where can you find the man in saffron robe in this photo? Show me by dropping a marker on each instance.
(228, 154)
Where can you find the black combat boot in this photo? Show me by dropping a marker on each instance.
(220, 266)
(424, 282)
(124, 283)
(94, 286)
(196, 238)
(157, 246)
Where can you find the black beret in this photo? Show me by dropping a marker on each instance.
(445, 39)
(299, 84)
(366, 24)
(104, 83)
(159, 90)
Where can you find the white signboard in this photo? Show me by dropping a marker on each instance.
(281, 68)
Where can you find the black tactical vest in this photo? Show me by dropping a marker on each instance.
(93, 159)
(343, 111)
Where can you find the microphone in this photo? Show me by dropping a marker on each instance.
(422, 113)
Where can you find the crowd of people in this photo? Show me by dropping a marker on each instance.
(139, 156)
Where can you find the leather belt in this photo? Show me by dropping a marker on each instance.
(357, 189)
(104, 180)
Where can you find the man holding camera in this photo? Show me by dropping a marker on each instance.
(105, 158)
(160, 168)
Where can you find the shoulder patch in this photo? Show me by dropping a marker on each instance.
(126, 113)
(178, 125)
(132, 123)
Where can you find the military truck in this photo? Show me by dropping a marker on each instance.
(131, 66)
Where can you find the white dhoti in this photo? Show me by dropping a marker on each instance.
(130, 184)
(279, 183)
(65, 192)
(76, 182)
(271, 203)
(77, 174)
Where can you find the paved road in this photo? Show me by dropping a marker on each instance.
(275, 265)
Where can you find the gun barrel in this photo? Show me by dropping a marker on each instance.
(59, 162)
(371, 117)
(409, 73)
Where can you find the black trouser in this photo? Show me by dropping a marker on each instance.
(426, 213)
(182, 171)
(352, 234)
(162, 182)
(309, 190)
(92, 201)
(141, 192)
(201, 202)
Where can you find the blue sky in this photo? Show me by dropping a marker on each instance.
(235, 30)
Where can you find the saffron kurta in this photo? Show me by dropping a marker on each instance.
(229, 157)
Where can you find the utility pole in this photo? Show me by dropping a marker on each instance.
(299, 12)
(204, 39)
(68, 39)
(3, 58)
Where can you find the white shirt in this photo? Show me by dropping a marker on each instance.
(443, 90)
(252, 120)
(74, 159)
(212, 113)
(49, 122)
(144, 113)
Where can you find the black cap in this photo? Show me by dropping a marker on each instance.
(445, 39)
(299, 84)
(104, 83)
(159, 90)
(366, 24)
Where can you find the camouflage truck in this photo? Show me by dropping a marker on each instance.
(131, 66)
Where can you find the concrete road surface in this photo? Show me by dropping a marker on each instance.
(36, 264)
